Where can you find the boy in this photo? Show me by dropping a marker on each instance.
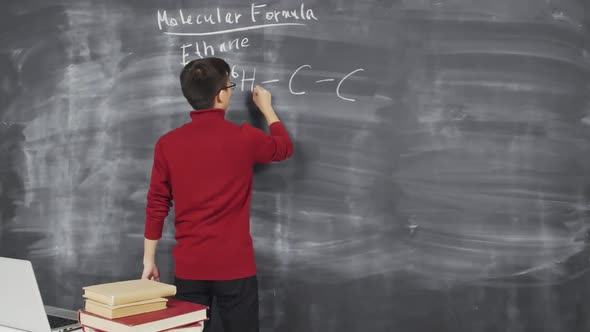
(206, 167)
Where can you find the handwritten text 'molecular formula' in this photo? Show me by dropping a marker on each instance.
(258, 17)
(219, 21)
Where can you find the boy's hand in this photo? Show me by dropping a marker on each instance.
(262, 98)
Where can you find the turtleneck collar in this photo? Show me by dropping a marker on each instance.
(208, 112)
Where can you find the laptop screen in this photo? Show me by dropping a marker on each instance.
(21, 297)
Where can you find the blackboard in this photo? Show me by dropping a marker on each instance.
(440, 175)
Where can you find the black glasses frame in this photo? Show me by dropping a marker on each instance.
(230, 86)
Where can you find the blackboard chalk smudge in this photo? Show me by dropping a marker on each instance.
(412, 229)
(382, 97)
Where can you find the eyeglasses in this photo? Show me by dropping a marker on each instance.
(231, 85)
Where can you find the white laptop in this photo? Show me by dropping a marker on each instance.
(21, 306)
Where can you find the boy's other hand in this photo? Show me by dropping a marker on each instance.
(150, 272)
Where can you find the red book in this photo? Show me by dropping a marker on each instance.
(196, 327)
(177, 314)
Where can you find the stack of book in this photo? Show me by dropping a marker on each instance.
(138, 305)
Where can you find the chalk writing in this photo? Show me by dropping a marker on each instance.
(342, 81)
(224, 21)
(259, 17)
(203, 49)
(247, 80)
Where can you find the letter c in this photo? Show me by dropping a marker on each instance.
(342, 81)
(291, 80)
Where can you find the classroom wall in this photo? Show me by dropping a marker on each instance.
(440, 175)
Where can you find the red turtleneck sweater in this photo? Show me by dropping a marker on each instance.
(205, 167)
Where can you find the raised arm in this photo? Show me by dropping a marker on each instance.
(274, 147)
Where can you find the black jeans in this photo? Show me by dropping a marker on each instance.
(237, 301)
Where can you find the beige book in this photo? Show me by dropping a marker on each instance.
(197, 327)
(124, 310)
(123, 292)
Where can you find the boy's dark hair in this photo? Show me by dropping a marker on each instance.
(201, 80)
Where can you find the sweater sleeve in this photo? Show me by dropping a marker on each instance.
(159, 197)
(267, 148)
